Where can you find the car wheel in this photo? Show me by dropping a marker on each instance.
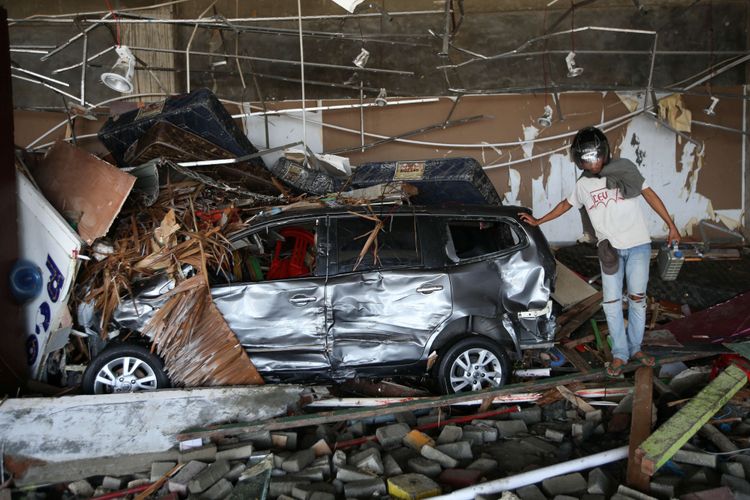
(472, 364)
(124, 368)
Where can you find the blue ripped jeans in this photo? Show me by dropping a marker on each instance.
(634, 264)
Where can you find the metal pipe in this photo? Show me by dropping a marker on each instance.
(324, 17)
(649, 88)
(337, 107)
(282, 61)
(100, 12)
(98, 54)
(744, 154)
(54, 89)
(40, 76)
(83, 68)
(187, 49)
(722, 127)
(718, 72)
(685, 136)
(302, 77)
(543, 37)
(229, 161)
(74, 38)
(537, 475)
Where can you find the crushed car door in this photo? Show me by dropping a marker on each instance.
(383, 304)
(277, 307)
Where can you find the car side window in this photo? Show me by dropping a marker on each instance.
(468, 239)
(274, 253)
(366, 243)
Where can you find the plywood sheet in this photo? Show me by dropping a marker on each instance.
(83, 187)
(570, 288)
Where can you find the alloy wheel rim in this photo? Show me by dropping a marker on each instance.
(475, 369)
(125, 374)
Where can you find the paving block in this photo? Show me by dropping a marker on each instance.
(412, 487)
(306, 491)
(321, 448)
(473, 434)
(321, 495)
(445, 461)
(99, 491)
(138, 482)
(390, 466)
(662, 489)
(311, 474)
(696, 458)
(484, 465)
(368, 460)
(81, 488)
(422, 465)
(390, 436)
(536, 445)
(339, 459)
(235, 453)
(531, 492)
(565, 484)
(348, 474)
(722, 493)
(203, 454)
(736, 484)
(323, 463)
(592, 496)
(460, 478)
(450, 434)
(260, 439)
(280, 457)
(402, 455)
(582, 430)
(208, 477)
(567, 497)
(733, 468)
(489, 432)
(460, 450)
(367, 488)
(284, 485)
(284, 440)
(158, 469)
(299, 460)
(554, 435)
(510, 428)
(600, 483)
(179, 482)
(115, 483)
(593, 416)
(531, 415)
(235, 471)
(357, 428)
(416, 439)
(632, 493)
(221, 489)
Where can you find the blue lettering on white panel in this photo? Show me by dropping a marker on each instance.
(56, 280)
(32, 349)
(43, 317)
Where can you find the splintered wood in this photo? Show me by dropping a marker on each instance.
(196, 343)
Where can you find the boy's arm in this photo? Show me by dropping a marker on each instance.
(556, 212)
(655, 202)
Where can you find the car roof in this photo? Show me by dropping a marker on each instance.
(282, 213)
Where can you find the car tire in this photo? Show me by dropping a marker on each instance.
(472, 364)
(124, 368)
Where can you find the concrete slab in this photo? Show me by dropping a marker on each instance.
(44, 433)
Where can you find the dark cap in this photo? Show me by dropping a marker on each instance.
(608, 257)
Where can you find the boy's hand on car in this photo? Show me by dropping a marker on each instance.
(528, 219)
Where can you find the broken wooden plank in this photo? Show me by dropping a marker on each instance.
(575, 359)
(579, 315)
(575, 400)
(640, 427)
(306, 419)
(675, 432)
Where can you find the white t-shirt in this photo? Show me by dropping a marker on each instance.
(614, 218)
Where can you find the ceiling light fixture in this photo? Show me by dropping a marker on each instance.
(381, 100)
(361, 60)
(120, 78)
(546, 119)
(711, 109)
(570, 61)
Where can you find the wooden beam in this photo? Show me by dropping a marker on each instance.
(640, 427)
(575, 400)
(309, 419)
(575, 359)
(675, 432)
(578, 315)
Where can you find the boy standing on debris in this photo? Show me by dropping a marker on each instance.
(609, 190)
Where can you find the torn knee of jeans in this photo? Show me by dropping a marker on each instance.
(637, 297)
(615, 301)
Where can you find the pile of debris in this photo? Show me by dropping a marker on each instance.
(571, 443)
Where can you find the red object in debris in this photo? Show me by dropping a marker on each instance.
(719, 324)
(723, 361)
(294, 265)
(214, 217)
(460, 478)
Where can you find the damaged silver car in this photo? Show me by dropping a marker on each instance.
(454, 293)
